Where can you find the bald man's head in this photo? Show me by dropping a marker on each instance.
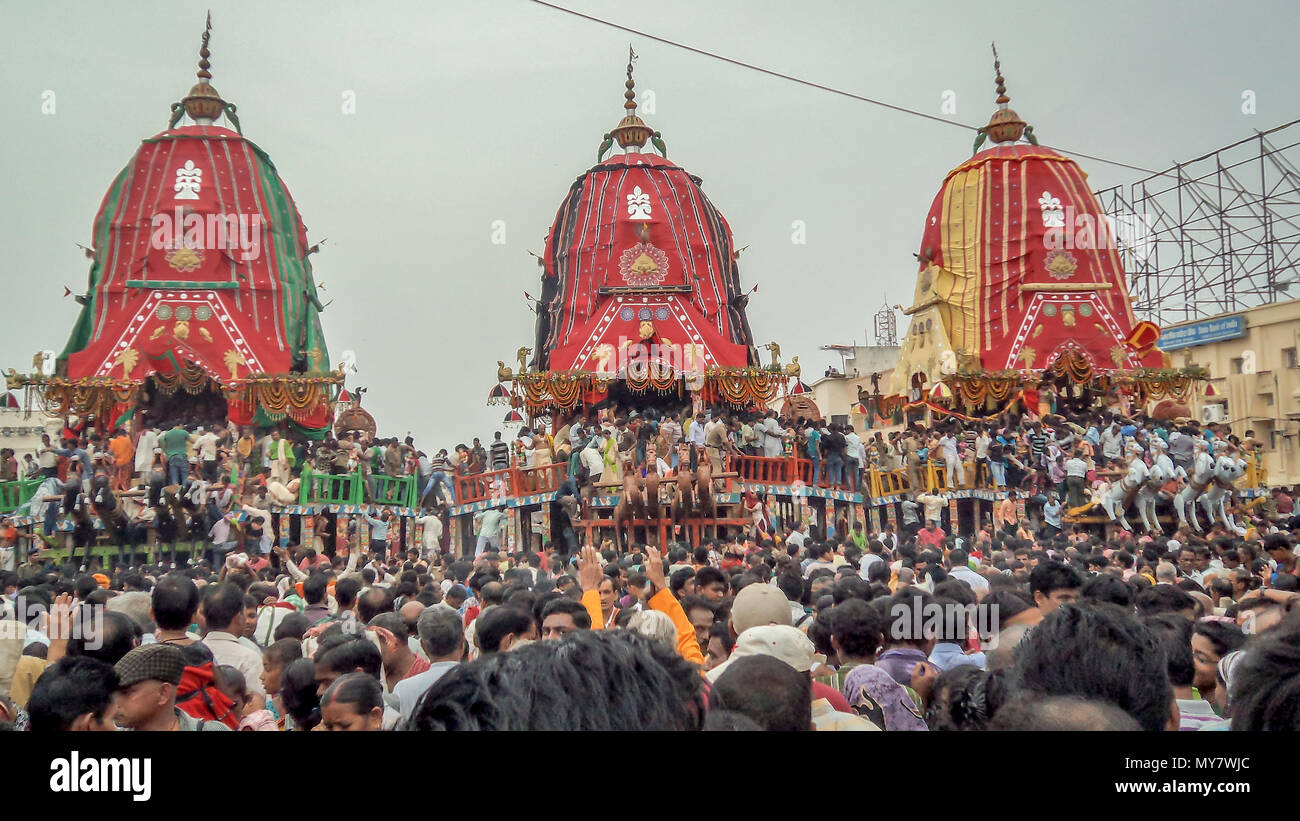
(1001, 654)
(374, 601)
(410, 614)
(1061, 713)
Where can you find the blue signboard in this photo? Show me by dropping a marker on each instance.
(1200, 333)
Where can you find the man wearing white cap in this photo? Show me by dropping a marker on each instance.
(791, 646)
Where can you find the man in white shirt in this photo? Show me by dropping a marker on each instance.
(1112, 442)
(698, 431)
(223, 623)
(205, 447)
(855, 459)
(933, 506)
(442, 636)
(798, 535)
(772, 436)
(954, 470)
(959, 568)
(431, 540)
(1076, 479)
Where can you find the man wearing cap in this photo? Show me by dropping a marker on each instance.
(762, 605)
(790, 645)
(146, 691)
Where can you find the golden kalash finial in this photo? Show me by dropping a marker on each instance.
(204, 104)
(631, 132)
(1005, 126)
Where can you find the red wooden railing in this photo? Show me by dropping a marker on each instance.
(518, 482)
(548, 478)
(767, 470)
(780, 470)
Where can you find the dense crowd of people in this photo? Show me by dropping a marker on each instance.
(867, 631)
(1024, 623)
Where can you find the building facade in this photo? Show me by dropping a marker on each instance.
(1254, 377)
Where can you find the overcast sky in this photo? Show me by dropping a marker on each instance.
(470, 112)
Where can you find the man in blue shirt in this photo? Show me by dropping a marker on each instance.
(814, 452)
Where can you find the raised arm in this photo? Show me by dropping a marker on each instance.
(688, 647)
(589, 577)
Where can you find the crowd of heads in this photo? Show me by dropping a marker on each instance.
(992, 632)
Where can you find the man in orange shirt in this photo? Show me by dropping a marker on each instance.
(123, 460)
(1007, 513)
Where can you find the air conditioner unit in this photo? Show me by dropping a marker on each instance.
(1211, 414)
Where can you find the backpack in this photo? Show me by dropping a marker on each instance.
(198, 697)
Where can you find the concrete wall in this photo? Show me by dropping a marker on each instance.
(23, 433)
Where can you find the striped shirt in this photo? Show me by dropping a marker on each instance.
(500, 455)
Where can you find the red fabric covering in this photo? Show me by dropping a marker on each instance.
(640, 224)
(236, 329)
(1022, 223)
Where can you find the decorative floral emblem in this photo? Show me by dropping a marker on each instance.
(1049, 310)
(184, 259)
(1053, 213)
(643, 265)
(1061, 264)
(189, 179)
(1085, 309)
(638, 204)
(203, 313)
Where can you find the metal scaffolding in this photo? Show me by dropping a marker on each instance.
(886, 325)
(1215, 234)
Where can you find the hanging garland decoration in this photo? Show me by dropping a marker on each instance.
(193, 379)
(651, 377)
(278, 395)
(976, 390)
(1073, 364)
(566, 390)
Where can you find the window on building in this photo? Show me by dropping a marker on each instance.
(1289, 357)
(1236, 364)
(1268, 399)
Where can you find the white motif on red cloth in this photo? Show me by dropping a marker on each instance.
(189, 180)
(1053, 213)
(638, 204)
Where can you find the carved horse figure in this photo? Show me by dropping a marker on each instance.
(1161, 473)
(631, 503)
(1119, 494)
(1227, 470)
(1202, 476)
(694, 495)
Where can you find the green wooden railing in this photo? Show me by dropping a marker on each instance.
(324, 488)
(14, 495)
(350, 489)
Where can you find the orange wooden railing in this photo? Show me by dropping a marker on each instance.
(518, 482)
